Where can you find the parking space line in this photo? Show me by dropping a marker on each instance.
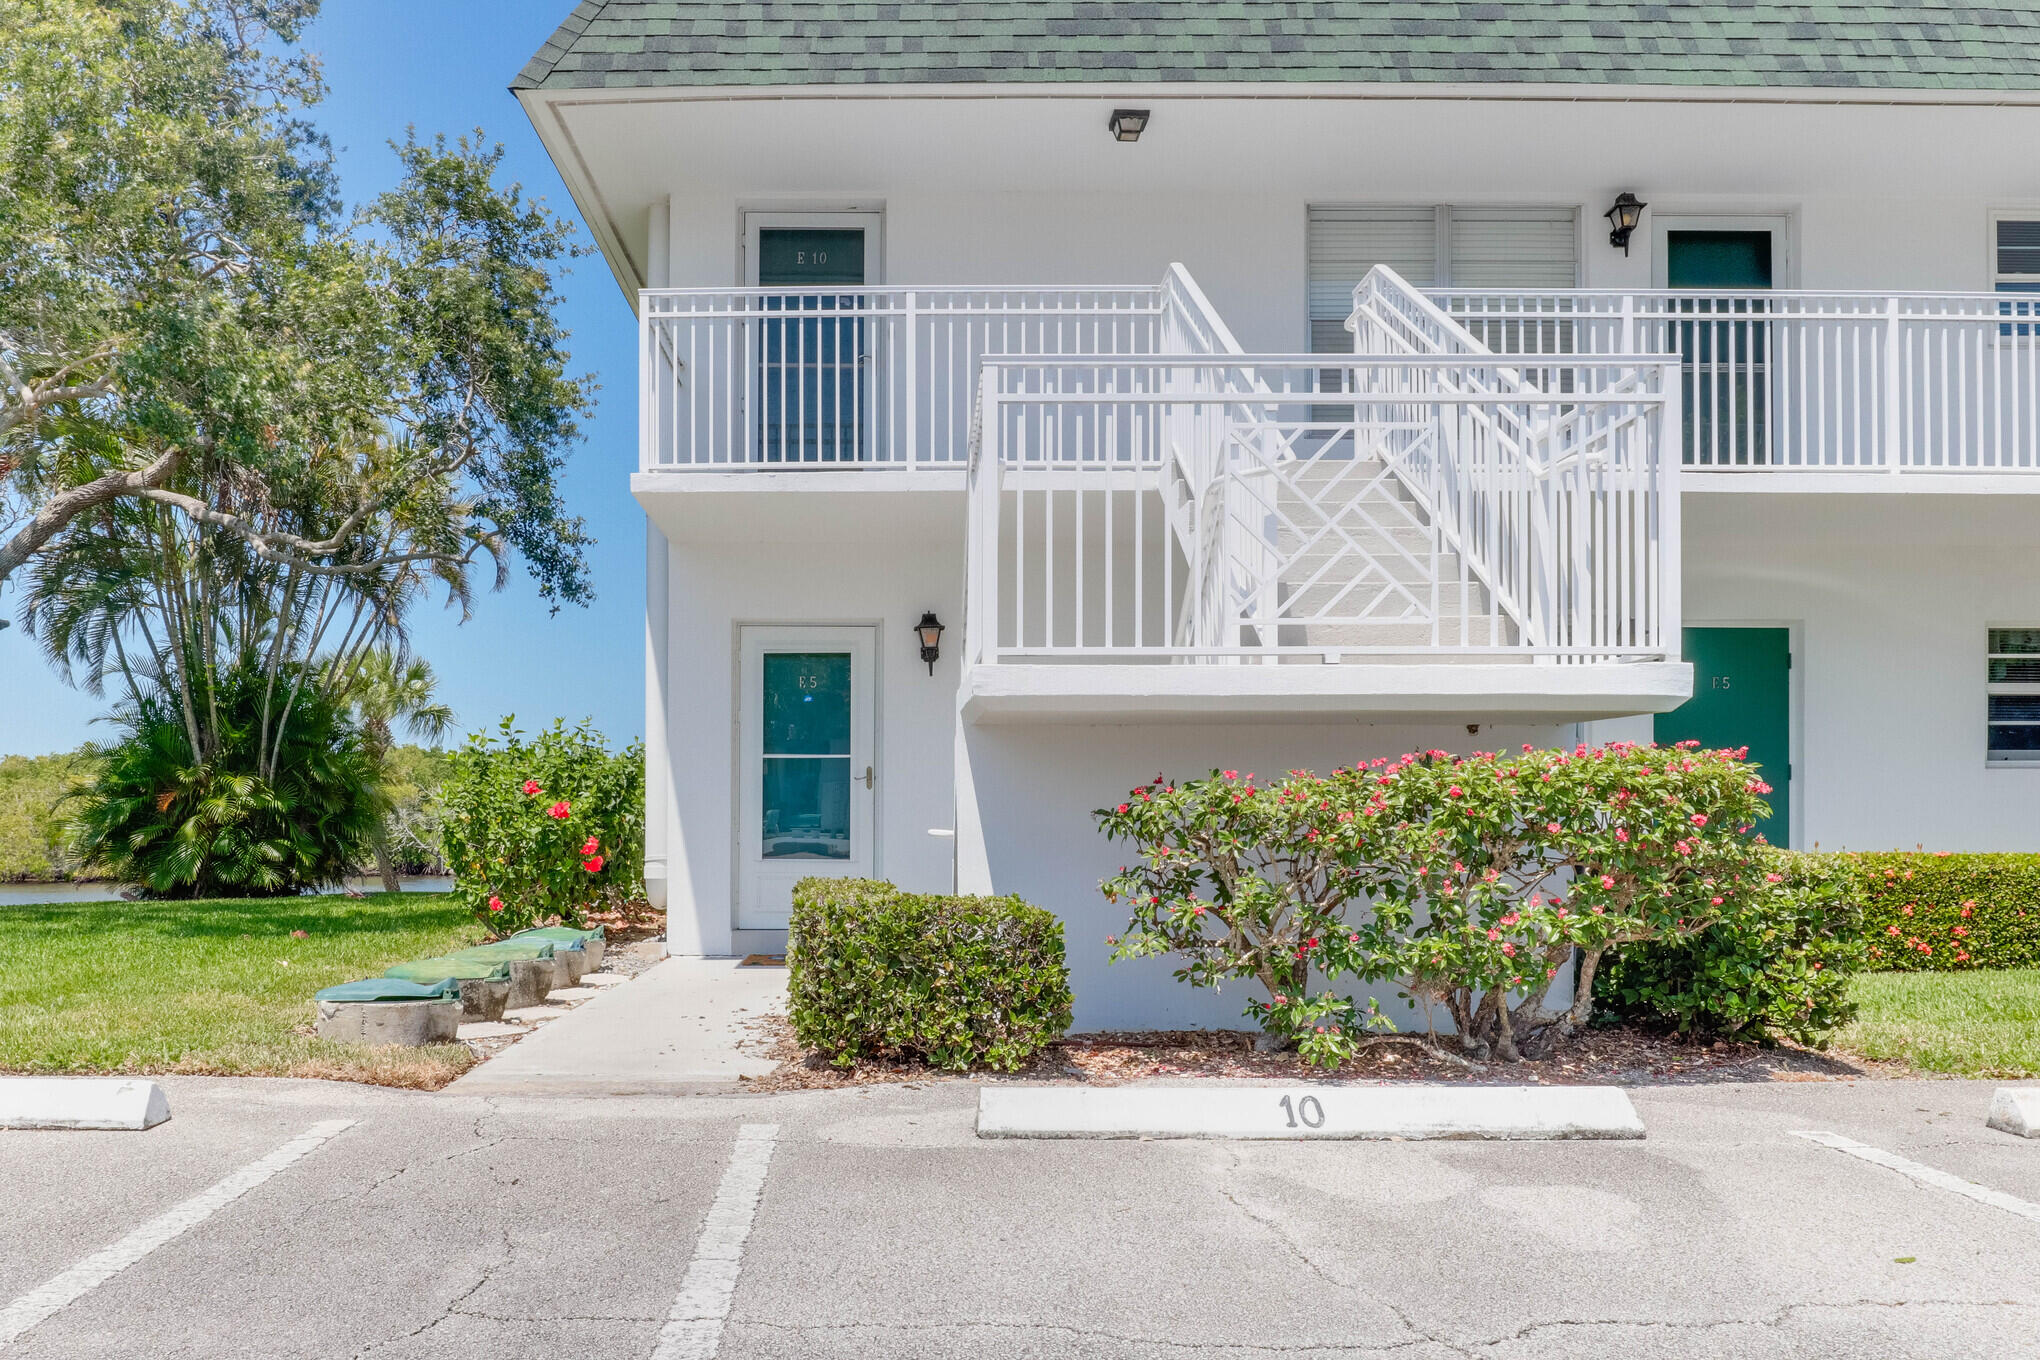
(694, 1328)
(96, 1269)
(1924, 1174)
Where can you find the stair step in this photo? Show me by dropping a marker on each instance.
(1347, 598)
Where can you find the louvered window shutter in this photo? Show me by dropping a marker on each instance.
(1510, 247)
(1344, 243)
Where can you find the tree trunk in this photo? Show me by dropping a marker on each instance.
(384, 865)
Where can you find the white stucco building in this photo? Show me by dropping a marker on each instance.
(1258, 386)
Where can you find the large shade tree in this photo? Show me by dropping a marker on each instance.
(242, 427)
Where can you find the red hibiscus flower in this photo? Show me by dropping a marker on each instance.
(593, 864)
(495, 904)
(590, 846)
(559, 810)
(531, 788)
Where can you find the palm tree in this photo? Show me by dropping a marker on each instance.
(386, 690)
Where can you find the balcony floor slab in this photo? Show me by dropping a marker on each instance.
(1455, 691)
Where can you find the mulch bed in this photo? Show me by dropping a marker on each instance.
(1617, 1057)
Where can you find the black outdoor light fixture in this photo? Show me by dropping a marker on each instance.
(1128, 124)
(929, 630)
(1623, 217)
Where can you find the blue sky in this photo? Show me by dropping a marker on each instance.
(445, 66)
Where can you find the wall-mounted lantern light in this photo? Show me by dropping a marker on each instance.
(1623, 217)
(1128, 124)
(929, 630)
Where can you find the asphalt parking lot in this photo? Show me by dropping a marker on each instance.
(871, 1222)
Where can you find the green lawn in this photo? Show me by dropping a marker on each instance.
(1981, 1024)
(217, 987)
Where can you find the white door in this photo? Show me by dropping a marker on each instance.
(807, 717)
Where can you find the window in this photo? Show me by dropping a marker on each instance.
(2015, 267)
(1433, 247)
(2014, 689)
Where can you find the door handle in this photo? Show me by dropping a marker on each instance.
(867, 776)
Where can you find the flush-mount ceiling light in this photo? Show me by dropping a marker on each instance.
(1128, 124)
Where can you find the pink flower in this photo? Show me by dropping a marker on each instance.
(1509, 949)
(593, 864)
(559, 811)
(1494, 934)
(530, 788)
(1698, 819)
(1774, 878)
(591, 845)
(1622, 834)
(495, 904)
(1607, 882)
(1122, 809)
(299, 935)
(1551, 827)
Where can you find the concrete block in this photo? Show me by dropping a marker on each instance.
(530, 981)
(1229, 1110)
(411, 1023)
(572, 963)
(484, 998)
(594, 946)
(81, 1103)
(2016, 1110)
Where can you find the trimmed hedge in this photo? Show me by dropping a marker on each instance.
(1781, 974)
(1939, 911)
(956, 981)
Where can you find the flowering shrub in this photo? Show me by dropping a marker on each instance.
(959, 981)
(1936, 911)
(1467, 883)
(537, 832)
(1782, 971)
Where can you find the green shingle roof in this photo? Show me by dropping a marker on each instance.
(1863, 44)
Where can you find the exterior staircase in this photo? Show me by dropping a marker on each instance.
(1357, 561)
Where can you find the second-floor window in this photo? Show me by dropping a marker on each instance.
(2015, 267)
(1433, 246)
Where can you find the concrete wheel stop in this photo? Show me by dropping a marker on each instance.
(2015, 1110)
(411, 1023)
(81, 1103)
(1307, 1110)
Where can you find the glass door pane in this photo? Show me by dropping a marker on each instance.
(805, 789)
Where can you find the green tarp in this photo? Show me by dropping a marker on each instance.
(392, 989)
(559, 934)
(451, 966)
(503, 951)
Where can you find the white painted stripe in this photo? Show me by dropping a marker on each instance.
(1925, 1175)
(694, 1328)
(96, 1269)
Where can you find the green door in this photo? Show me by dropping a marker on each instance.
(1741, 697)
(811, 357)
(1727, 388)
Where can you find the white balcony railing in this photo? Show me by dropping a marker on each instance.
(739, 379)
(1311, 507)
(1802, 381)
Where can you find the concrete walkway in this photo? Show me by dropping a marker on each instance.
(673, 1029)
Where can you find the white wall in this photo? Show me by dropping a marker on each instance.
(1891, 597)
(1015, 190)
(718, 586)
(1024, 825)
